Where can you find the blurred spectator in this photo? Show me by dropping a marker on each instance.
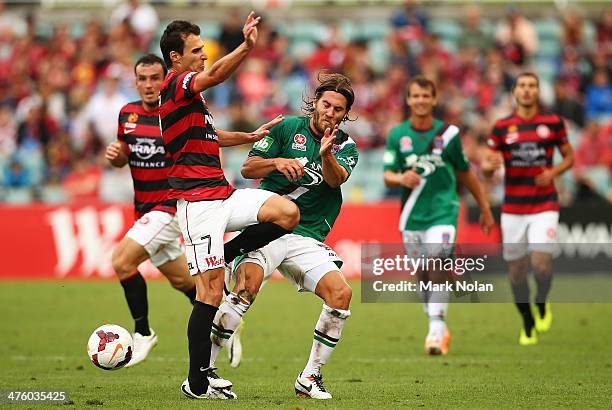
(104, 106)
(517, 37)
(142, 19)
(16, 176)
(11, 25)
(567, 105)
(410, 22)
(8, 132)
(599, 97)
(593, 161)
(571, 29)
(231, 32)
(604, 32)
(472, 36)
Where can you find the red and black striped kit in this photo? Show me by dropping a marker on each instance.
(139, 130)
(192, 142)
(527, 146)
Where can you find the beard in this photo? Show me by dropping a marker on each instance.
(319, 125)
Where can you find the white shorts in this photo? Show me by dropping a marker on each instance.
(303, 261)
(204, 223)
(435, 241)
(528, 232)
(158, 232)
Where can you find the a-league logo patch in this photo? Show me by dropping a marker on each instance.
(335, 149)
(405, 144)
(543, 131)
(438, 145)
(299, 142)
(133, 117)
(552, 233)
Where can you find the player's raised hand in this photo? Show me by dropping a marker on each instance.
(291, 168)
(264, 130)
(486, 221)
(545, 178)
(250, 29)
(410, 178)
(327, 142)
(113, 150)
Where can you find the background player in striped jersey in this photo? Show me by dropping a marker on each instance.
(424, 156)
(155, 234)
(524, 143)
(207, 204)
(306, 159)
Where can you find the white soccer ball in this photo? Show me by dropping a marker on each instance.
(110, 347)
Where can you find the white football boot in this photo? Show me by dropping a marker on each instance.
(217, 381)
(211, 393)
(142, 347)
(311, 386)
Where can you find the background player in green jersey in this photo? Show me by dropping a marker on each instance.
(424, 156)
(305, 159)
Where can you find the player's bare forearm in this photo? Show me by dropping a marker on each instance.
(233, 138)
(567, 152)
(333, 173)
(257, 167)
(120, 161)
(468, 179)
(221, 69)
(392, 179)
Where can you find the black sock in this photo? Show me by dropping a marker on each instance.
(253, 237)
(544, 282)
(521, 298)
(191, 294)
(198, 333)
(135, 289)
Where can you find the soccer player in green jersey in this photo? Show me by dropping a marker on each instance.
(424, 156)
(305, 159)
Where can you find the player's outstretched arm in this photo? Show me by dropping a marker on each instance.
(468, 179)
(257, 167)
(225, 66)
(115, 154)
(333, 173)
(231, 138)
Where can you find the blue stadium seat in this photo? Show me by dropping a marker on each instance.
(548, 29)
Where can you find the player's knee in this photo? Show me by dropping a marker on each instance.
(340, 297)
(181, 283)
(541, 267)
(249, 293)
(122, 265)
(289, 215)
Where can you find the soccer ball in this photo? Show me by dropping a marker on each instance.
(110, 347)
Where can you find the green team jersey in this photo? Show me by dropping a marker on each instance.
(318, 202)
(436, 154)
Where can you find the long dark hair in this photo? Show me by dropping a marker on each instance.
(330, 82)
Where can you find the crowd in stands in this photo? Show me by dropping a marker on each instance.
(60, 91)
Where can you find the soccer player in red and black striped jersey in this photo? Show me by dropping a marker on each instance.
(525, 143)
(156, 234)
(208, 205)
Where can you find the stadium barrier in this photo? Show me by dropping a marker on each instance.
(76, 242)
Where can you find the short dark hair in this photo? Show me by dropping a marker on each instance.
(526, 74)
(174, 36)
(151, 59)
(422, 82)
(331, 82)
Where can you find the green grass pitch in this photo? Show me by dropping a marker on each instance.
(379, 362)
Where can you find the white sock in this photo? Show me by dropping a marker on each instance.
(437, 309)
(225, 323)
(326, 336)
